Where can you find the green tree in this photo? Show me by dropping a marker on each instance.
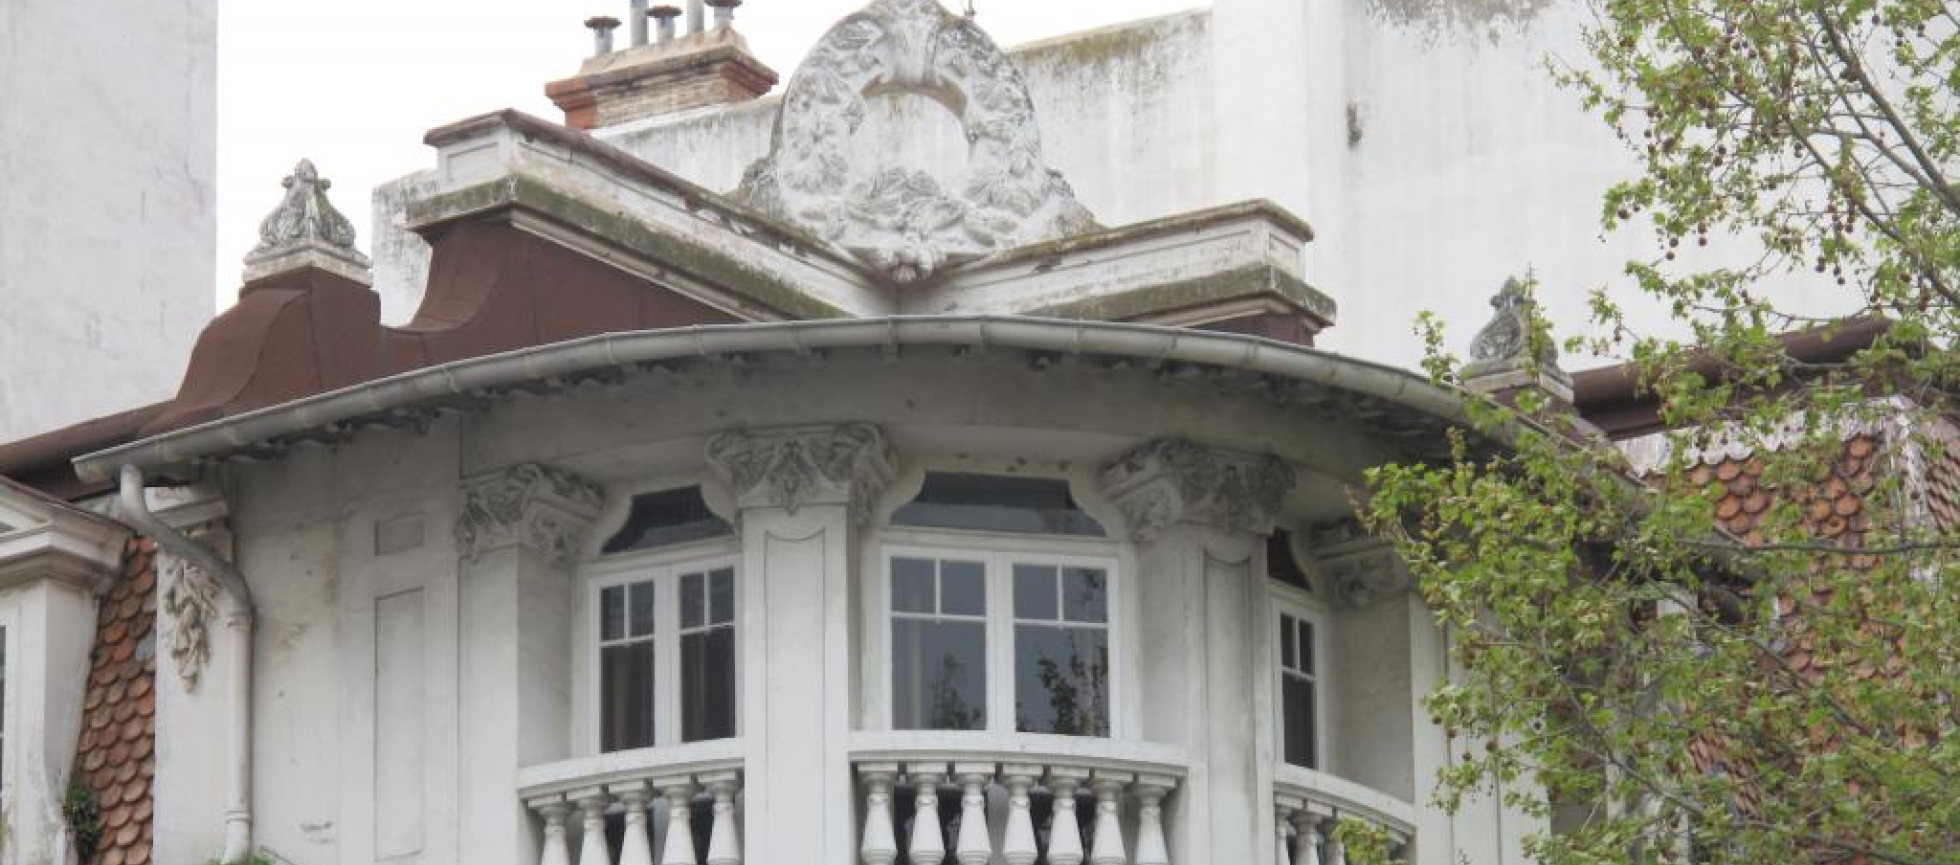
(1751, 656)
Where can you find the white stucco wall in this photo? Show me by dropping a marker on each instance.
(107, 159)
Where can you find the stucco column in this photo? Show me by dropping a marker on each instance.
(518, 536)
(1197, 515)
(801, 493)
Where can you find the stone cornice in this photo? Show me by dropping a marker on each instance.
(1169, 481)
(531, 505)
(789, 467)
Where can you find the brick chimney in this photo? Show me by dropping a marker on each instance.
(710, 65)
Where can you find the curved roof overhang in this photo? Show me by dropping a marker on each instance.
(403, 398)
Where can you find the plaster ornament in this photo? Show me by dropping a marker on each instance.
(538, 506)
(1361, 569)
(190, 599)
(306, 226)
(907, 222)
(1168, 481)
(787, 468)
(1504, 343)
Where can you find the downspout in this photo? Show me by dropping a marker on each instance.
(238, 630)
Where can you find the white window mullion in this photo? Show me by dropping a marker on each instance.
(1000, 644)
(666, 659)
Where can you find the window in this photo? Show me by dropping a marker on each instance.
(1299, 688)
(666, 655)
(973, 633)
(666, 518)
(997, 503)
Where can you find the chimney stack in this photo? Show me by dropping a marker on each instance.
(665, 15)
(602, 34)
(724, 12)
(637, 14)
(709, 68)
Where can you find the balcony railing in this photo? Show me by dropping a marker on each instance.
(934, 798)
(619, 804)
(1311, 805)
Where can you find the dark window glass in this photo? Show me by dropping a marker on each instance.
(1298, 698)
(1034, 592)
(640, 608)
(612, 613)
(664, 518)
(626, 696)
(939, 675)
(1061, 680)
(694, 600)
(721, 594)
(997, 503)
(913, 586)
(1280, 563)
(962, 589)
(1085, 595)
(708, 684)
(1286, 632)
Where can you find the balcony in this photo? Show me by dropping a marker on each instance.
(1018, 800)
(611, 800)
(977, 798)
(1310, 805)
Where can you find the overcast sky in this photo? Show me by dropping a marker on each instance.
(353, 84)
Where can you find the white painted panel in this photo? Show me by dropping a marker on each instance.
(399, 692)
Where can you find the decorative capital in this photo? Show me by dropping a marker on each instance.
(538, 506)
(1502, 357)
(1360, 569)
(787, 468)
(306, 230)
(824, 176)
(1169, 481)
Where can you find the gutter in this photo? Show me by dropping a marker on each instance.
(1143, 342)
(238, 631)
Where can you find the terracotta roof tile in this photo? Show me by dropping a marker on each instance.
(115, 755)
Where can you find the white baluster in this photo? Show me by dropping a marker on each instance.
(880, 845)
(1311, 841)
(679, 849)
(1152, 848)
(1065, 829)
(637, 848)
(592, 843)
(1335, 851)
(1017, 846)
(1107, 847)
(1284, 807)
(556, 850)
(724, 838)
(928, 840)
(975, 845)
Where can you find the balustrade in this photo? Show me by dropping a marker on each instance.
(1019, 808)
(619, 809)
(1310, 806)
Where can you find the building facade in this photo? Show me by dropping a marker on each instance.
(106, 249)
(939, 461)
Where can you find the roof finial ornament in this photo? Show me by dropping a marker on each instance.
(1508, 355)
(305, 230)
(911, 222)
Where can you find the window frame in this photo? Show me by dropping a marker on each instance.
(998, 553)
(1284, 601)
(664, 567)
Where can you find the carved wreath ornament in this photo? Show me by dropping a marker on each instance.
(906, 222)
(190, 599)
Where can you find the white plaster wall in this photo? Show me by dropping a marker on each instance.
(50, 632)
(107, 159)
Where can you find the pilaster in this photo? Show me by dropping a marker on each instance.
(1197, 514)
(518, 536)
(802, 492)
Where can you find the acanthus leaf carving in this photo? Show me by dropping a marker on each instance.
(1167, 481)
(909, 223)
(542, 507)
(1360, 569)
(307, 224)
(788, 468)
